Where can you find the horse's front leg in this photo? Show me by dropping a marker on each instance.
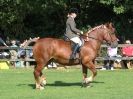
(85, 82)
(84, 71)
(90, 65)
(93, 70)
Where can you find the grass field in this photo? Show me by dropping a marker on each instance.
(66, 84)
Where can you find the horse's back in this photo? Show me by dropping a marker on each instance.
(51, 47)
(48, 42)
(42, 44)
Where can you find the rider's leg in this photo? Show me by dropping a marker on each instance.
(74, 51)
(78, 43)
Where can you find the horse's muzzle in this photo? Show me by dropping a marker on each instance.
(114, 44)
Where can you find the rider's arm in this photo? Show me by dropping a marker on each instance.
(73, 27)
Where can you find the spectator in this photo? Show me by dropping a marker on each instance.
(127, 51)
(22, 54)
(111, 53)
(13, 53)
(13, 43)
(16, 54)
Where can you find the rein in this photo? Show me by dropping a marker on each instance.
(87, 34)
(92, 38)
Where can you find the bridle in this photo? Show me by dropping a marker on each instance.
(87, 36)
(111, 39)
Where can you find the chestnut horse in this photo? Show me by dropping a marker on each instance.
(46, 49)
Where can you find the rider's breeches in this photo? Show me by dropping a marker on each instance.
(76, 40)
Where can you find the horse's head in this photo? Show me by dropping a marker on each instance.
(103, 32)
(109, 35)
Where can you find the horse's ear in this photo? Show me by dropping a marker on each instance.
(109, 24)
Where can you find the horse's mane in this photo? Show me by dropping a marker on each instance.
(109, 25)
(91, 30)
(95, 28)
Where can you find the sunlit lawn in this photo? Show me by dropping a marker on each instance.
(66, 84)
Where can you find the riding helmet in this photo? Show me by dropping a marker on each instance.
(73, 10)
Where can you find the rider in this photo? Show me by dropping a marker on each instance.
(72, 32)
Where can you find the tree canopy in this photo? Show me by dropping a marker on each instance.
(22, 19)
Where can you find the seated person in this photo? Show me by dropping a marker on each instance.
(127, 51)
(109, 64)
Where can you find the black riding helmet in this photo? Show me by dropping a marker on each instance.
(73, 10)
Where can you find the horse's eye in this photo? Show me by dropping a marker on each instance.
(113, 25)
(113, 33)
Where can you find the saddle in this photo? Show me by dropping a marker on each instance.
(73, 45)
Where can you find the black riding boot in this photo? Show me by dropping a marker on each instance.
(73, 55)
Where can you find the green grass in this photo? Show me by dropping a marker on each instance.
(66, 84)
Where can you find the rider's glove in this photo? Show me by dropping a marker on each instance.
(81, 32)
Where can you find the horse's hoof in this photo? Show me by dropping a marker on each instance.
(43, 83)
(86, 85)
(88, 80)
(40, 88)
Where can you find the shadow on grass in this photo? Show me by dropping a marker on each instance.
(60, 84)
(63, 84)
(30, 85)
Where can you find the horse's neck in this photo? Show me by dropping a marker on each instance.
(95, 44)
(96, 39)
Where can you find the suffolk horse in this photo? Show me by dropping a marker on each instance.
(60, 50)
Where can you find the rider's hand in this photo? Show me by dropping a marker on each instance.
(82, 32)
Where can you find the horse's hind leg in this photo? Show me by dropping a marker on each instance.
(39, 78)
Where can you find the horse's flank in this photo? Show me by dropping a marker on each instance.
(57, 49)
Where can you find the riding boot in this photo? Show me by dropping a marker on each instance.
(73, 55)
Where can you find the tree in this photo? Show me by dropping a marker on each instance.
(119, 6)
(22, 19)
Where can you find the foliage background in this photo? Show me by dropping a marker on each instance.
(22, 19)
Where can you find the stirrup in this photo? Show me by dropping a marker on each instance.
(73, 56)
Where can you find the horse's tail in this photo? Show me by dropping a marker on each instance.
(27, 42)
